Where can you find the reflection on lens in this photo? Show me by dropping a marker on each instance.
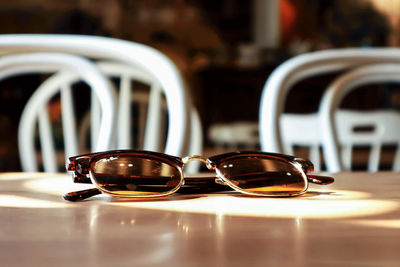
(263, 175)
(135, 176)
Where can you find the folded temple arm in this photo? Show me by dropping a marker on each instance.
(192, 185)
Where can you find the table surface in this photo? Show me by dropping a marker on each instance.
(353, 222)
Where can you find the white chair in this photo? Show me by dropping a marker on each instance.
(149, 102)
(154, 63)
(302, 130)
(339, 128)
(34, 110)
(152, 110)
(233, 135)
(300, 67)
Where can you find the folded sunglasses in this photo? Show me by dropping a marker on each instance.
(145, 174)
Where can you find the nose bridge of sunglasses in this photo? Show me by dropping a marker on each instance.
(198, 158)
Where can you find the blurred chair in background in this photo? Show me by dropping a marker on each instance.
(277, 128)
(158, 69)
(234, 136)
(137, 55)
(302, 130)
(142, 113)
(36, 108)
(344, 130)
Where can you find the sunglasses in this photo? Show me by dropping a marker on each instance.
(144, 174)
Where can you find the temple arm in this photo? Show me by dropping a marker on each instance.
(81, 195)
(322, 180)
(192, 185)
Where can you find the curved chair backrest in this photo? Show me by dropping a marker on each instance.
(148, 101)
(303, 66)
(143, 57)
(13, 65)
(338, 129)
(150, 138)
(150, 111)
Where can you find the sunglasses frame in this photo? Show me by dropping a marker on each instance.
(82, 165)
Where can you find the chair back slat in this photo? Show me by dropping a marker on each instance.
(396, 160)
(68, 122)
(347, 156)
(46, 142)
(152, 137)
(124, 113)
(95, 118)
(374, 157)
(196, 142)
(315, 157)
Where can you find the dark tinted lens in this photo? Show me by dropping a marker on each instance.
(263, 175)
(133, 175)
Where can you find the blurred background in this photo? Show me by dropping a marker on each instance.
(225, 49)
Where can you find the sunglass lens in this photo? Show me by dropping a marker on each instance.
(135, 176)
(263, 175)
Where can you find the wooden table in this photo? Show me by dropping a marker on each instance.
(353, 222)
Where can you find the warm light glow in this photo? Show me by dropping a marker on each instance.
(12, 176)
(353, 204)
(390, 8)
(321, 203)
(395, 223)
(55, 185)
(13, 201)
(36, 182)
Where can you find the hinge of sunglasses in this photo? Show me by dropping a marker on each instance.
(81, 170)
(218, 180)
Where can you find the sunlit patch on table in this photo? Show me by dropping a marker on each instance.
(16, 176)
(13, 201)
(351, 205)
(325, 203)
(388, 223)
(55, 185)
